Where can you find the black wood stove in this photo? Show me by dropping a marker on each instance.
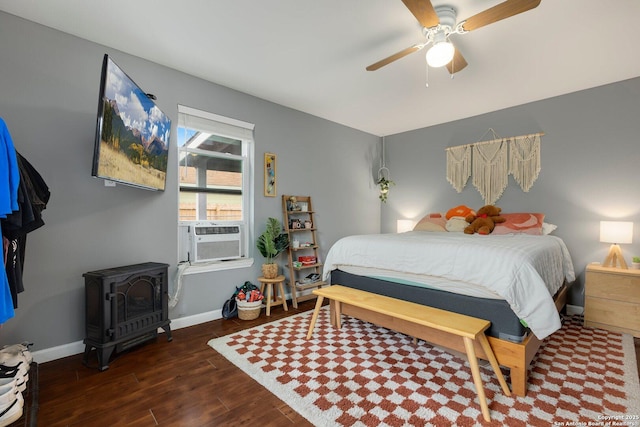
(125, 306)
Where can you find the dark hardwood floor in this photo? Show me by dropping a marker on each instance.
(179, 383)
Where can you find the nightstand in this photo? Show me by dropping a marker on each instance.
(612, 299)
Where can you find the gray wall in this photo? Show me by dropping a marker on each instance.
(590, 168)
(49, 85)
(48, 97)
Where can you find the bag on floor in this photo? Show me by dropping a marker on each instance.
(230, 308)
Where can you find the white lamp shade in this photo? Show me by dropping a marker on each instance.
(616, 232)
(440, 54)
(404, 225)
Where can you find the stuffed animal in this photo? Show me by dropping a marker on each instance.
(456, 218)
(484, 221)
(461, 210)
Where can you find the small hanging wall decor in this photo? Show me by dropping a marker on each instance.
(491, 162)
(270, 179)
(384, 180)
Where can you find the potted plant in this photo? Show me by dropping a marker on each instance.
(384, 184)
(270, 244)
(635, 262)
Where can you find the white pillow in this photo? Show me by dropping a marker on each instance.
(431, 222)
(456, 224)
(548, 228)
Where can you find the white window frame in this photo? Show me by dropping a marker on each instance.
(243, 131)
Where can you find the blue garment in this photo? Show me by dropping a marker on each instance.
(9, 183)
(6, 300)
(10, 179)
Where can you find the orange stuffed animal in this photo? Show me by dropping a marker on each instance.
(461, 210)
(484, 221)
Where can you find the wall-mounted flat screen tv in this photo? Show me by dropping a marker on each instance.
(132, 133)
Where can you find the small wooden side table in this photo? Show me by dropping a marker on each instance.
(612, 299)
(273, 287)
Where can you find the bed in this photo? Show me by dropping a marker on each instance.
(516, 281)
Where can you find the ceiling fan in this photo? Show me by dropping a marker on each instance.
(439, 23)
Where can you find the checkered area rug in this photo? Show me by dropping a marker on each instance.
(365, 375)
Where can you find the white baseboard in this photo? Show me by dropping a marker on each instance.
(65, 350)
(574, 309)
(53, 353)
(195, 319)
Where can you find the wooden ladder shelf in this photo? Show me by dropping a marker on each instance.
(300, 224)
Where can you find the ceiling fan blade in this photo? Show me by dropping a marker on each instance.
(457, 63)
(423, 11)
(395, 57)
(501, 11)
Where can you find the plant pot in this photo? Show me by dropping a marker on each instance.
(635, 265)
(269, 271)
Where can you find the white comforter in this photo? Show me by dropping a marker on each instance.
(524, 270)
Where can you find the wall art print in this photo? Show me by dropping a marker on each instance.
(270, 178)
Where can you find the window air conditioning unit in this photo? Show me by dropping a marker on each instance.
(211, 242)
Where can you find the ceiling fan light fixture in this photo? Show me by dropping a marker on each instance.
(440, 54)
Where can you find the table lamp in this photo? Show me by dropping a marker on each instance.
(404, 225)
(615, 232)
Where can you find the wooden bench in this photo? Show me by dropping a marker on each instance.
(437, 326)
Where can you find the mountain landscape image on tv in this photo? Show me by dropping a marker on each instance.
(132, 134)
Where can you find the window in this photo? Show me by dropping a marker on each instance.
(215, 175)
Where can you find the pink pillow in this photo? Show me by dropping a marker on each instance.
(431, 222)
(520, 223)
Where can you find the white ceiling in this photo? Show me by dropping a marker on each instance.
(311, 55)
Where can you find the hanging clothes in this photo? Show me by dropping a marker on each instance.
(11, 175)
(33, 196)
(9, 184)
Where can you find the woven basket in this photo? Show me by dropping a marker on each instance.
(249, 310)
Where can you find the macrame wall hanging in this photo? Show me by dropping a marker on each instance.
(524, 160)
(459, 166)
(490, 162)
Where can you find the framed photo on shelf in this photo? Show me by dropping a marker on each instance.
(270, 178)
